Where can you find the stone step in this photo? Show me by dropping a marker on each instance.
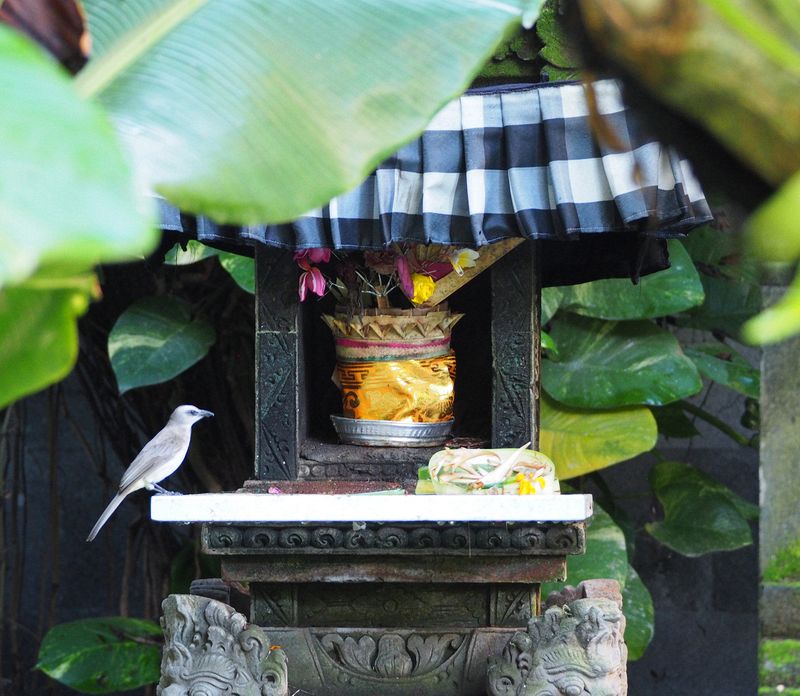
(780, 665)
(779, 610)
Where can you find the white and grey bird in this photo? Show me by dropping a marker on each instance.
(158, 459)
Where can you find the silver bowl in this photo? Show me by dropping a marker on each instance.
(384, 433)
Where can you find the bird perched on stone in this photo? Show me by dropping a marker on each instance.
(158, 459)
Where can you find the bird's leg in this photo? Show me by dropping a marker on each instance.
(159, 489)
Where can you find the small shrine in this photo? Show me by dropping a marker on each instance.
(400, 521)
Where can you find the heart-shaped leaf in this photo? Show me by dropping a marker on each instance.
(193, 253)
(101, 656)
(240, 268)
(66, 193)
(639, 615)
(720, 362)
(673, 422)
(154, 340)
(605, 557)
(778, 321)
(701, 515)
(38, 331)
(728, 304)
(606, 364)
(667, 292)
(252, 111)
(580, 441)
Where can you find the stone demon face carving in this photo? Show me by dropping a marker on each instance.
(210, 650)
(575, 650)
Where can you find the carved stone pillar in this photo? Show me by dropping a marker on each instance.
(211, 650)
(575, 649)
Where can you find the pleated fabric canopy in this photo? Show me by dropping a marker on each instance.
(510, 161)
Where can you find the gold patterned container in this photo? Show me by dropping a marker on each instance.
(396, 365)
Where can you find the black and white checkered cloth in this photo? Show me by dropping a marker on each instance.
(500, 162)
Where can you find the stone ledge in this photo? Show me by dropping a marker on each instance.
(779, 610)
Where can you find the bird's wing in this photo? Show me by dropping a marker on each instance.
(164, 446)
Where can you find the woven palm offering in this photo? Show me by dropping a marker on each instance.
(395, 365)
(493, 471)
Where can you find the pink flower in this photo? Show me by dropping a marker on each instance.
(310, 279)
(317, 255)
(404, 275)
(436, 269)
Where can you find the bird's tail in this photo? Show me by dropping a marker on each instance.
(113, 505)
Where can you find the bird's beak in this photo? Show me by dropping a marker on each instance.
(206, 414)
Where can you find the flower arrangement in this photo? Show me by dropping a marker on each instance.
(380, 279)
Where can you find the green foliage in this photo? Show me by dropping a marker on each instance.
(560, 54)
(780, 665)
(580, 440)
(673, 290)
(700, 514)
(728, 304)
(365, 78)
(785, 566)
(721, 363)
(605, 364)
(156, 339)
(102, 656)
(38, 334)
(241, 268)
(66, 194)
(673, 422)
(778, 322)
(606, 557)
(639, 613)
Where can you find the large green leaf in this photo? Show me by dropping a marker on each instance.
(719, 252)
(38, 331)
(720, 362)
(606, 364)
(701, 515)
(773, 231)
(66, 193)
(637, 604)
(253, 111)
(101, 656)
(580, 441)
(778, 321)
(154, 340)
(673, 422)
(728, 304)
(551, 301)
(241, 268)
(606, 556)
(193, 253)
(673, 290)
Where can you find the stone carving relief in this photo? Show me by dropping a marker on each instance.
(392, 656)
(211, 650)
(576, 649)
(484, 538)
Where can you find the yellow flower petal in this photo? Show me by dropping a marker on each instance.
(423, 287)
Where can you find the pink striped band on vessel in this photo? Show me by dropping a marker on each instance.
(353, 343)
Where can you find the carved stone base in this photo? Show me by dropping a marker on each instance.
(210, 649)
(575, 649)
(389, 662)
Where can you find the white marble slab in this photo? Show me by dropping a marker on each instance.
(299, 508)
